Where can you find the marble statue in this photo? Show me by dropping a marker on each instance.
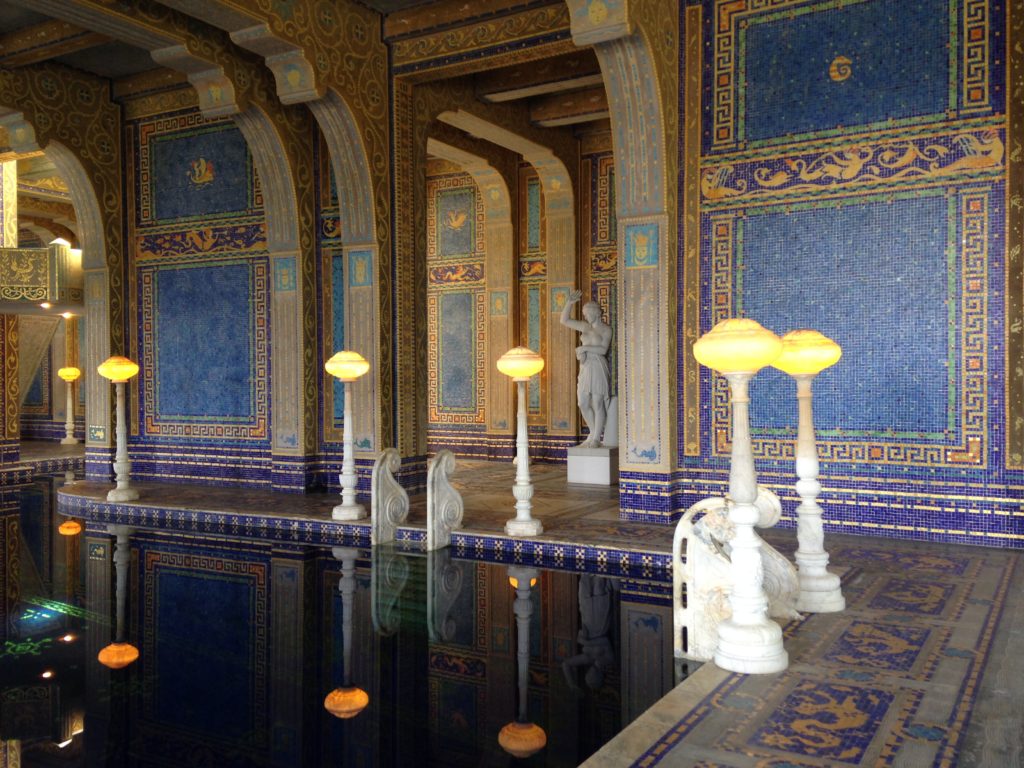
(594, 384)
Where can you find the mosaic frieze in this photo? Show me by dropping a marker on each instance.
(859, 164)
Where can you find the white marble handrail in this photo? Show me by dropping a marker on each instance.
(389, 502)
(444, 502)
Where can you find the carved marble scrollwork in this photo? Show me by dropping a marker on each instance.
(388, 575)
(444, 583)
(389, 503)
(701, 585)
(444, 503)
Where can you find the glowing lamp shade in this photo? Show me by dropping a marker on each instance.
(807, 352)
(118, 655)
(70, 528)
(69, 374)
(344, 703)
(522, 739)
(515, 582)
(346, 365)
(117, 369)
(737, 345)
(520, 363)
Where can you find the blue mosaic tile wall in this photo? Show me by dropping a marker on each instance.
(200, 274)
(852, 178)
(456, 315)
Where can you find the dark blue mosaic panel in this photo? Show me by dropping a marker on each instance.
(204, 349)
(845, 66)
(457, 352)
(874, 277)
(201, 174)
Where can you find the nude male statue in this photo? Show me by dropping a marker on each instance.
(593, 387)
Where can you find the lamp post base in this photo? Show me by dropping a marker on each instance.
(122, 494)
(348, 512)
(69, 441)
(516, 527)
(751, 649)
(820, 593)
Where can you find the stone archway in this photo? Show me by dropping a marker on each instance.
(561, 264)
(81, 136)
(638, 63)
(499, 274)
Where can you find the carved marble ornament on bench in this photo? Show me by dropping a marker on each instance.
(389, 503)
(444, 503)
(706, 575)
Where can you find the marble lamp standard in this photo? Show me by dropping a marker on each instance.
(119, 369)
(805, 354)
(69, 375)
(520, 363)
(347, 366)
(748, 641)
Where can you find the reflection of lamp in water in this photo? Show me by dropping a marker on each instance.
(69, 375)
(521, 738)
(748, 641)
(520, 364)
(120, 653)
(119, 369)
(347, 700)
(347, 367)
(805, 354)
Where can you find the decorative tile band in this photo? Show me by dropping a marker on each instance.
(559, 556)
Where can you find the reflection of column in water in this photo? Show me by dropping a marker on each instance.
(347, 700)
(522, 738)
(595, 599)
(120, 653)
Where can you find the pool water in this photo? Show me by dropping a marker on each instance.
(240, 642)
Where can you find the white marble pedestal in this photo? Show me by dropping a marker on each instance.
(594, 466)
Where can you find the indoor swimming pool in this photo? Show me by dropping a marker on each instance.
(265, 653)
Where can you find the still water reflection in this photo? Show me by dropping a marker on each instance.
(257, 653)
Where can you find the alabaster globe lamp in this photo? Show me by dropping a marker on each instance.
(805, 353)
(347, 366)
(69, 528)
(346, 701)
(120, 653)
(118, 370)
(521, 738)
(748, 641)
(520, 363)
(69, 375)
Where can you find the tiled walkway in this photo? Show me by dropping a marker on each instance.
(923, 668)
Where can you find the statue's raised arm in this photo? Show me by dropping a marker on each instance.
(593, 388)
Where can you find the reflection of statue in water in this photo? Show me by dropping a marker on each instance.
(593, 388)
(595, 596)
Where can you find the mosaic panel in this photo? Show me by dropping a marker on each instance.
(191, 169)
(36, 401)
(927, 456)
(792, 69)
(457, 307)
(907, 384)
(205, 343)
